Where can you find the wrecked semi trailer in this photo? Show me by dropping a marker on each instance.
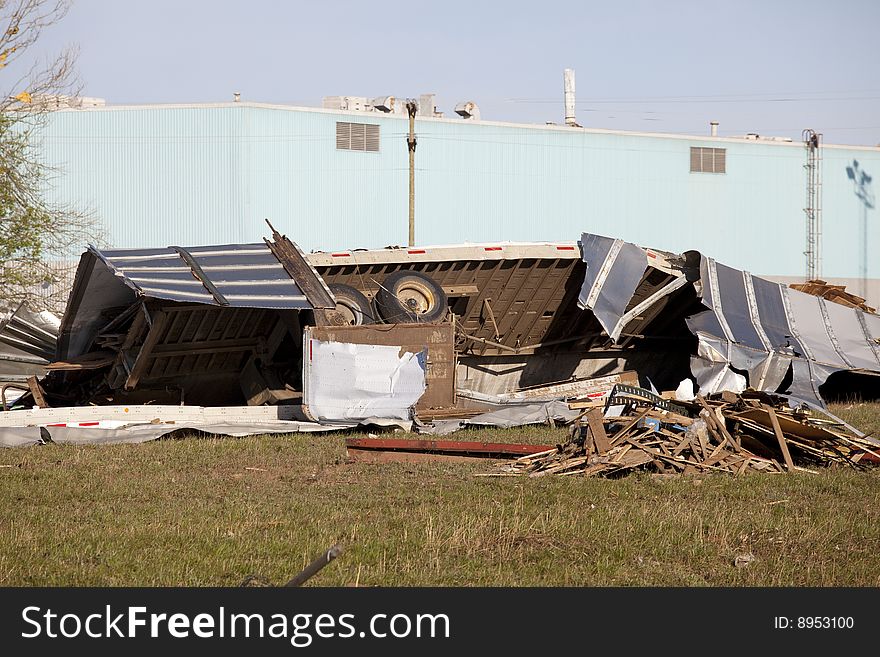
(444, 329)
(239, 324)
(535, 314)
(515, 311)
(213, 325)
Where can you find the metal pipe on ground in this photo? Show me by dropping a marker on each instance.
(317, 564)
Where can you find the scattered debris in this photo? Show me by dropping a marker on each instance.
(835, 293)
(485, 335)
(722, 433)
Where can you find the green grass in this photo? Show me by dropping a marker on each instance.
(210, 512)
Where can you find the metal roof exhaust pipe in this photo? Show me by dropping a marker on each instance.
(568, 77)
(713, 128)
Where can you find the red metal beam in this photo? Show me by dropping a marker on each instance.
(457, 447)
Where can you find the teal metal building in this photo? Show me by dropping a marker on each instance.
(331, 179)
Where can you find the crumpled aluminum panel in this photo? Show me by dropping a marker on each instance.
(614, 270)
(763, 326)
(750, 326)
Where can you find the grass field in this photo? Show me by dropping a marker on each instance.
(210, 512)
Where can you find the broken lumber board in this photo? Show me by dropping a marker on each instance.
(37, 392)
(780, 438)
(712, 420)
(578, 405)
(622, 433)
(597, 431)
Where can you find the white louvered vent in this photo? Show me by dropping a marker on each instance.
(708, 160)
(357, 136)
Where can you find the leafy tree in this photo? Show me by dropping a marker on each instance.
(38, 237)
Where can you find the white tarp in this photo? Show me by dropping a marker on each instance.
(345, 382)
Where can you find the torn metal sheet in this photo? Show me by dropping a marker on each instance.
(236, 275)
(345, 381)
(752, 332)
(140, 433)
(243, 276)
(29, 331)
(614, 270)
(96, 425)
(759, 327)
(28, 341)
(149, 413)
(512, 416)
(596, 388)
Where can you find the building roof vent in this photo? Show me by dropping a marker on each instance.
(384, 103)
(468, 110)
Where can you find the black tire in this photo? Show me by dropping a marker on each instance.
(354, 307)
(410, 297)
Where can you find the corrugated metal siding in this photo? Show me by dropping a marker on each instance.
(212, 174)
(244, 275)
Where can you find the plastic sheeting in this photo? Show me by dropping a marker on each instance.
(345, 381)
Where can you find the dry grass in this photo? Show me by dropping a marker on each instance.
(213, 511)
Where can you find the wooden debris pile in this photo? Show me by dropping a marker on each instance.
(752, 432)
(835, 293)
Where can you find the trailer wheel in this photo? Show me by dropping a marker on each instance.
(352, 305)
(410, 297)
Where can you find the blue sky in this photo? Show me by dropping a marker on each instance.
(774, 66)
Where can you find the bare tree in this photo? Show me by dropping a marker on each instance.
(37, 235)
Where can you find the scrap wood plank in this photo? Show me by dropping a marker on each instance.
(622, 433)
(670, 417)
(565, 465)
(531, 457)
(704, 446)
(716, 455)
(712, 419)
(597, 430)
(861, 446)
(37, 392)
(619, 456)
(683, 445)
(780, 438)
(675, 459)
(157, 327)
(577, 405)
(633, 459)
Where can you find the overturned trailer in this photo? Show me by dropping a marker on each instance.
(446, 330)
(515, 311)
(208, 325)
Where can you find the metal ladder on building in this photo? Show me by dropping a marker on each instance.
(813, 209)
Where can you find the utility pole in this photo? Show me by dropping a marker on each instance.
(412, 108)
